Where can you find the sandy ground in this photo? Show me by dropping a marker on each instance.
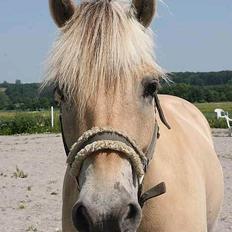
(33, 203)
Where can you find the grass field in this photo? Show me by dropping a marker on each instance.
(210, 107)
(208, 110)
(40, 121)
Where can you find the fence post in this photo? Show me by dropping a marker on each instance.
(52, 116)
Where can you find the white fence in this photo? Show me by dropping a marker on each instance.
(52, 116)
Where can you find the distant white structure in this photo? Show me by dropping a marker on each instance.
(52, 116)
(222, 114)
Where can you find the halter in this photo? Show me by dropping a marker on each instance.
(102, 139)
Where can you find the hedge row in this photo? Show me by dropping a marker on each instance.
(40, 122)
(28, 123)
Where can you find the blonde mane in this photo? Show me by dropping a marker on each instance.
(102, 44)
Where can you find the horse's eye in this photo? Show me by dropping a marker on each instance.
(150, 87)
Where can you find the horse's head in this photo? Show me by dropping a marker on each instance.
(106, 77)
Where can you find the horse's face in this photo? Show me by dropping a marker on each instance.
(108, 198)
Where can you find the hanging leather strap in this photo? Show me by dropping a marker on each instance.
(160, 111)
(153, 192)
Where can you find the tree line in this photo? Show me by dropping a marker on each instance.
(24, 97)
(200, 86)
(192, 86)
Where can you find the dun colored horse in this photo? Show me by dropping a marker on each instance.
(122, 173)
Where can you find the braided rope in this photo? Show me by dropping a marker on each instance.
(134, 154)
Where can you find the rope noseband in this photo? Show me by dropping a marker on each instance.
(100, 139)
(107, 139)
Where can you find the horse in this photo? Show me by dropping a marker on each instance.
(137, 160)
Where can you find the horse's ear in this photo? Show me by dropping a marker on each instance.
(61, 11)
(145, 10)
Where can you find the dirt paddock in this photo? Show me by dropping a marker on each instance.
(31, 174)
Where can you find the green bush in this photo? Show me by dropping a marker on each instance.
(217, 123)
(28, 122)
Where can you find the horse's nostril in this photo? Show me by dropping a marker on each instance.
(132, 211)
(131, 217)
(81, 219)
(91, 219)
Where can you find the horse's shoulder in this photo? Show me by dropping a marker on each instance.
(185, 114)
(171, 102)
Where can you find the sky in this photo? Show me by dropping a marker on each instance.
(190, 36)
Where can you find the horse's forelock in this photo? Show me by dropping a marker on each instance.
(102, 44)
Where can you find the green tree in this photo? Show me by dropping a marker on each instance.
(4, 101)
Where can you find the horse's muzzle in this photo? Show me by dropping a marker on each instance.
(123, 218)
